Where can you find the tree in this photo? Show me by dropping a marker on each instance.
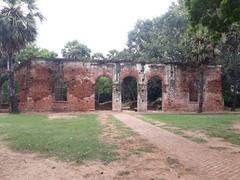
(160, 37)
(103, 90)
(31, 51)
(125, 54)
(231, 64)
(98, 56)
(199, 52)
(76, 50)
(17, 29)
(219, 16)
(112, 54)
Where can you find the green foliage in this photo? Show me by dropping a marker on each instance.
(160, 37)
(217, 15)
(5, 97)
(77, 139)
(98, 56)
(18, 25)
(75, 50)
(198, 48)
(214, 125)
(17, 29)
(125, 54)
(103, 90)
(32, 51)
(222, 19)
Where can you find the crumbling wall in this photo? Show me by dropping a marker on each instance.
(22, 80)
(37, 80)
(178, 97)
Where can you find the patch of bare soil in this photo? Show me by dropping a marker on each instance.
(236, 127)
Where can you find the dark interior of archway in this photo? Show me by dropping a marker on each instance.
(4, 98)
(154, 94)
(103, 94)
(129, 93)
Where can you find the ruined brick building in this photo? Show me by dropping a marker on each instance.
(41, 85)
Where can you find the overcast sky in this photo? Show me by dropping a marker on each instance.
(102, 25)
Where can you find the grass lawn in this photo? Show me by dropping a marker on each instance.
(213, 125)
(76, 139)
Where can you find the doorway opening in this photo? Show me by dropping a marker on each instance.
(103, 93)
(129, 93)
(155, 94)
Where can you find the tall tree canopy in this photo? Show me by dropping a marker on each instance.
(217, 15)
(160, 37)
(98, 56)
(222, 19)
(17, 29)
(125, 54)
(76, 50)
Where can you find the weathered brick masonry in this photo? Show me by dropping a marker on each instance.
(37, 80)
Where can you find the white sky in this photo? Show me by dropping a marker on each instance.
(102, 25)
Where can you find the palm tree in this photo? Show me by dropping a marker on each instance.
(17, 29)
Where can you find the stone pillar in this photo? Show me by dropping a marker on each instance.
(116, 97)
(142, 89)
(116, 89)
(142, 98)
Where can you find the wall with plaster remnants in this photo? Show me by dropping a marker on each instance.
(37, 81)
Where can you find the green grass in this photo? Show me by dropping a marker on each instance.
(213, 125)
(77, 139)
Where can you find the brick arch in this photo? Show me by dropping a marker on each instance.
(103, 73)
(129, 72)
(153, 74)
(161, 75)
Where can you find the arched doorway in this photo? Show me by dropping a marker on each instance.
(129, 93)
(103, 93)
(155, 94)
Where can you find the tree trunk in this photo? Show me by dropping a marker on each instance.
(234, 104)
(201, 89)
(11, 87)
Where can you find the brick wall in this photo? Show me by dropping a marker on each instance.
(37, 79)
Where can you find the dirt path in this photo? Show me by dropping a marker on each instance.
(209, 163)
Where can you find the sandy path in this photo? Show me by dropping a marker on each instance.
(211, 164)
